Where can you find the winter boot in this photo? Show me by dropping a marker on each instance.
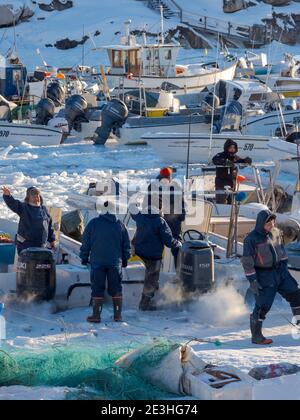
(117, 302)
(95, 318)
(147, 304)
(296, 313)
(256, 331)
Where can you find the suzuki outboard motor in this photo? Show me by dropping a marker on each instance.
(114, 115)
(195, 266)
(45, 111)
(75, 112)
(56, 93)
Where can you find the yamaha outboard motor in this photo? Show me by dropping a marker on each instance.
(114, 115)
(56, 93)
(75, 112)
(195, 266)
(45, 111)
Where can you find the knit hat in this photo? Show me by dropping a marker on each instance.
(166, 173)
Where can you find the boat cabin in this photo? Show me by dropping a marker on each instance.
(155, 60)
(12, 78)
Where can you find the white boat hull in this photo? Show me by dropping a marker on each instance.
(266, 125)
(13, 134)
(174, 147)
(184, 83)
(133, 135)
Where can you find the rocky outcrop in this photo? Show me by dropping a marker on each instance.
(68, 44)
(277, 2)
(231, 6)
(56, 5)
(14, 13)
(285, 28)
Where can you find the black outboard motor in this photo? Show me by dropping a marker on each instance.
(56, 93)
(75, 112)
(36, 274)
(114, 115)
(45, 111)
(195, 266)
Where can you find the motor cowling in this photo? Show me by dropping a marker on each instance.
(76, 112)
(56, 93)
(36, 274)
(114, 116)
(45, 111)
(195, 267)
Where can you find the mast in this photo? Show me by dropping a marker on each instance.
(162, 28)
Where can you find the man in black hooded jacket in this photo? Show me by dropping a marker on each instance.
(226, 173)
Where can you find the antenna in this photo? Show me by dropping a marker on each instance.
(162, 24)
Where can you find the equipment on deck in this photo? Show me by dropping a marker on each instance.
(36, 274)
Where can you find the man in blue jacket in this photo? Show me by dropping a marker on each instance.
(35, 227)
(106, 245)
(265, 263)
(152, 235)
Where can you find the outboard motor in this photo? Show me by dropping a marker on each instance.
(56, 93)
(36, 274)
(114, 115)
(75, 112)
(45, 111)
(195, 266)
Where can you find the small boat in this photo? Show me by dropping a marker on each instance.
(14, 134)
(174, 147)
(154, 65)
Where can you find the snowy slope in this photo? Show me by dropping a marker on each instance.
(250, 16)
(108, 17)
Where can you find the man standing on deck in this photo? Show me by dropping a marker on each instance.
(265, 262)
(227, 171)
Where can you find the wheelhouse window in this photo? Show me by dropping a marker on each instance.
(168, 55)
(117, 59)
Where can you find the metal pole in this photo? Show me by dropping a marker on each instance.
(189, 149)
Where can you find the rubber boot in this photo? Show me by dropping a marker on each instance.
(256, 331)
(95, 318)
(296, 313)
(147, 304)
(117, 303)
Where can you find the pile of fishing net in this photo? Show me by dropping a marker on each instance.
(91, 371)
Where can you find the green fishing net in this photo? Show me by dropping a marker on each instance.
(91, 371)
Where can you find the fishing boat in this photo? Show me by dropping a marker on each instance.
(14, 134)
(155, 65)
(174, 147)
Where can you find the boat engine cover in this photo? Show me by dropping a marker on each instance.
(76, 112)
(114, 116)
(45, 111)
(195, 267)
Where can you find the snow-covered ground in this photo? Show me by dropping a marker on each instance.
(223, 316)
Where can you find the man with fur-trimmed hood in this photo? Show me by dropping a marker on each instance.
(227, 170)
(265, 262)
(35, 226)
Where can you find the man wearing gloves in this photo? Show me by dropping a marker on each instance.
(227, 171)
(152, 235)
(106, 245)
(265, 262)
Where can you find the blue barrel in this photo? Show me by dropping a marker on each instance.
(7, 256)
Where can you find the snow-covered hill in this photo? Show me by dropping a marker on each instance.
(103, 21)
